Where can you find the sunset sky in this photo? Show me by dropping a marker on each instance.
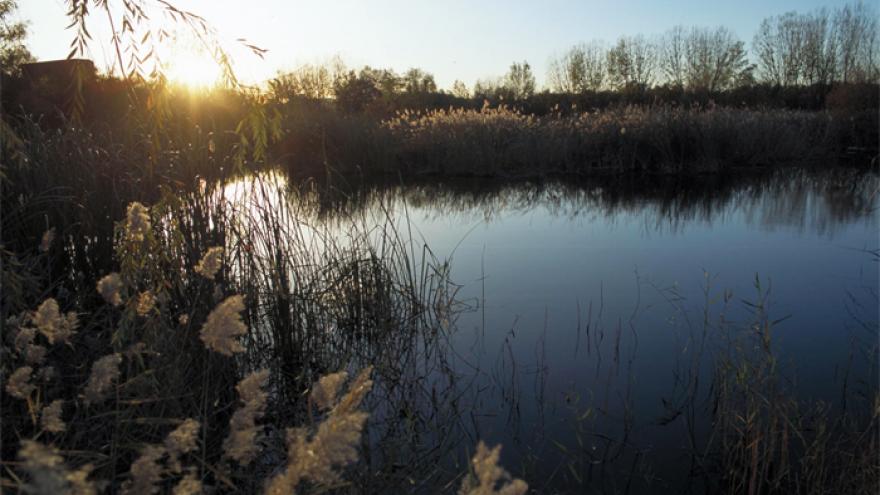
(454, 39)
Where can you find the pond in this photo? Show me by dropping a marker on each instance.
(588, 318)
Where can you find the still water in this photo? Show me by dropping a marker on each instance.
(581, 309)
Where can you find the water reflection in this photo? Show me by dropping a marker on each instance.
(800, 199)
(585, 312)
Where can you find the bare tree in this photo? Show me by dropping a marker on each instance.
(855, 28)
(581, 69)
(714, 59)
(779, 45)
(819, 47)
(631, 63)
(671, 56)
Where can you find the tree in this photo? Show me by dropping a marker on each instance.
(714, 59)
(631, 63)
(418, 81)
(819, 47)
(355, 91)
(520, 81)
(671, 56)
(386, 81)
(581, 69)
(460, 90)
(778, 45)
(819, 58)
(313, 82)
(491, 88)
(13, 53)
(856, 31)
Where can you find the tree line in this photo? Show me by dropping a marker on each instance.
(819, 48)
(792, 49)
(795, 60)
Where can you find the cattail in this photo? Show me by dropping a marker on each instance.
(137, 221)
(52, 324)
(223, 327)
(145, 471)
(181, 441)
(104, 372)
(19, 384)
(240, 445)
(332, 446)
(50, 418)
(210, 262)
(109, 287)
(490, 475)
(46, 241)
(146, 303)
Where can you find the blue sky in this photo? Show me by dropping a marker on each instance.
(453, 39)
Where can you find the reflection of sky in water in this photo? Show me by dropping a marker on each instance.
(538, 265)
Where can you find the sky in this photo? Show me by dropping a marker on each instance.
(453, 39)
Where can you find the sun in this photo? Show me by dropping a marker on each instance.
(191, 67)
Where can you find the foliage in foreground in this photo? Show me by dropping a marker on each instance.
(53, 402)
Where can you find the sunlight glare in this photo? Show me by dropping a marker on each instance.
(193, 68)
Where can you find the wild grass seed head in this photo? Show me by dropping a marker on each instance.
(110, 287)
(223, 327)
(50, 417)
(19, 383)
(210, 263)
(241, 443)
(104, 372)
(137, 221)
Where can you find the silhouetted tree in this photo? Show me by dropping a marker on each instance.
(308, 81)
(355, 91)
(418, 81)
(386, 81)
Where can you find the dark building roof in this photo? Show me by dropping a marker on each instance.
(61, 70)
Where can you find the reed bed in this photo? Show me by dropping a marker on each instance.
(503, 141)
(221, 331)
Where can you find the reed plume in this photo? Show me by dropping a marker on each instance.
(223, 327)
(240, 445)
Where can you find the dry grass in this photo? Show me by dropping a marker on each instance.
(506, 142)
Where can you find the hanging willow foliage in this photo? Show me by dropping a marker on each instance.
(138, 27)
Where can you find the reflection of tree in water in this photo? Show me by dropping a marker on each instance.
(432, 397)
(796, 198)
